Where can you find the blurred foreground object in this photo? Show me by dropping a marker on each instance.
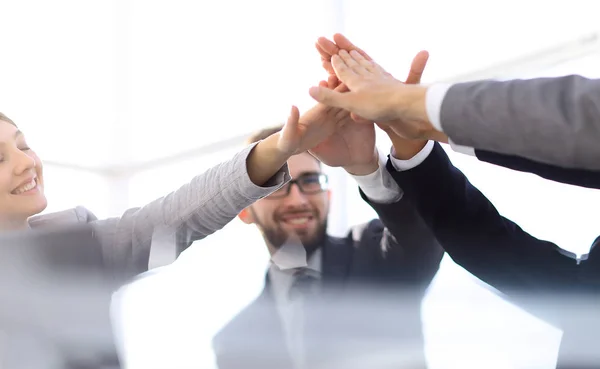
(55, 297)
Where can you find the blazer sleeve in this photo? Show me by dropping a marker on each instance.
(550, 120)
(194, 211)
(477, 237)
(576, 177)
(411, 251)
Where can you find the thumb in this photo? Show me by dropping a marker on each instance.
(417, 67)
(291, 126)
(329, 97)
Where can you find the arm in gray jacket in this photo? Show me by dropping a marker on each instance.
(550, 120)
(194, 211)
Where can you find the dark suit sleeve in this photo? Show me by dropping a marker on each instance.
(408, 246)
(577, 177)
(476, 236)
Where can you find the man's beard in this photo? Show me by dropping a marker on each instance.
(277, 237)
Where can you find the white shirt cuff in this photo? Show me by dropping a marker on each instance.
(379, 186)
(433, 103)
(467, 150)
(402, 165)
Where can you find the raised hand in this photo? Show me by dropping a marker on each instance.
(371, 88)
(302, 133)
(328, 48)
(299, 134)
(376, 95)
(351, 146)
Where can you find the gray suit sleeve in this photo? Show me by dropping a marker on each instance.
(550, 120)
(194, 211)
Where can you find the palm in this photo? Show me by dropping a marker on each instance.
(352, 144)
(319, 122)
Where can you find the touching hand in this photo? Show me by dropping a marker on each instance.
(351, 146)
(376, 95)
(327, 49)
(302, 133)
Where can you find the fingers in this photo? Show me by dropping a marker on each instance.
(343, 43)
(333, 81)
(327, 48)
(358, 63)
(417, 67)
(334, 84)
(354, 62)
(325, 59)
(294, 114)
(329, 97)
(324, 54)
(294, 117)
(343, 72)
(328, 67)
(369, 65)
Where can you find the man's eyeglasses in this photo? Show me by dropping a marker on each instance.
(308, 184)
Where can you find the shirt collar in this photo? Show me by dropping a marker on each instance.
(292, 256)
(282, 279)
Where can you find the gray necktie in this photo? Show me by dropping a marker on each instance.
(301, 294)
(305, 285)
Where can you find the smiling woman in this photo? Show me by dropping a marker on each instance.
(21, 178)
(197, 209)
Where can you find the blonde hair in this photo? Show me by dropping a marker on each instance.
(7, 119)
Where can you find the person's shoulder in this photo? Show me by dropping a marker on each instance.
(78, 214)
(370, 229)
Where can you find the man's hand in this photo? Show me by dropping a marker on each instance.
(377, 96)
(327, 49)
(371, 89)
(301, 133)
(351, 146)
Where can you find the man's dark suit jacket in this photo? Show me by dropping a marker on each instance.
(370, 313)
(576, 177)
(500, 253)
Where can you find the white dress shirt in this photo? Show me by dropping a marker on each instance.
(379, 186)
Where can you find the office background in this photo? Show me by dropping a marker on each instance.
(125, 100)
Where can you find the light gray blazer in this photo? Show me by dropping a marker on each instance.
(549, 120)
(194, 211)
